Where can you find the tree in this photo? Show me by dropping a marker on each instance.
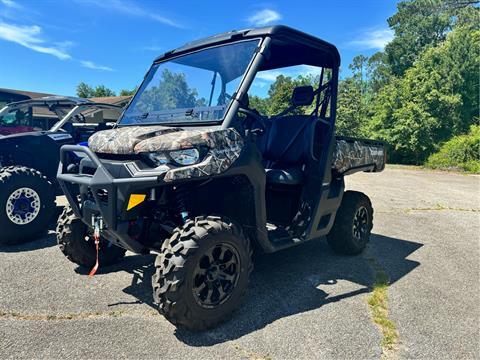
(358, 68)
(354, 98)
(172, 92)
(350, 108)
(126, 92)
(103, 91)
(259, 104)
(437, 98)
(378, 72)
(421, 24)
(86, 91)
(280, 95)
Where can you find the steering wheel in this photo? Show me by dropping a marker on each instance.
(256, 117)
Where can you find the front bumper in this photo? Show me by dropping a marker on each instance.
(104, 191)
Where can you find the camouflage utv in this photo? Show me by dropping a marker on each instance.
(195, 174)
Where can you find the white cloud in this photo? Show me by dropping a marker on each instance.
(91, 65)
(264, 17)
(260, 84)
(10, 4)
(269, 75)
(152, 48)
(373, 39)
(294, 71)
(30, 37)
(133, 9)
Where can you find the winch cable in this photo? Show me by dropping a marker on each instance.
(96, 236)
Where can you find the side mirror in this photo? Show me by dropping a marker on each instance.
(302, 96)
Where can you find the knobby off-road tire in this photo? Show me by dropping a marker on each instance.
(71, 233)
(353, 224)
(27, 204)
(189, 266)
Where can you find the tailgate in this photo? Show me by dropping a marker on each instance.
(352, 155)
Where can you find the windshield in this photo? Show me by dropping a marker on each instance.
(16, 121)
(191, 88)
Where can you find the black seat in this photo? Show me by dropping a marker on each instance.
(285, 148)
(291, 176)
(287, 141)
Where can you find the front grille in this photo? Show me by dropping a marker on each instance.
(118, 157)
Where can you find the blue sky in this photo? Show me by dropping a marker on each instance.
(50, 46)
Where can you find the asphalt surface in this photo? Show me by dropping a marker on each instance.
(304, 302)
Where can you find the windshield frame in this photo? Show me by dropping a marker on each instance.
(228, 106)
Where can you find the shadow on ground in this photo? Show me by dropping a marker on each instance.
(286, 283)
(42, 241)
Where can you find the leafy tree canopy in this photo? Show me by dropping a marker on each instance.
(126, 92)
(172, 92)
(87, 91)
(420, 24)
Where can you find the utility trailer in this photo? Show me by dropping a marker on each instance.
(201, 178)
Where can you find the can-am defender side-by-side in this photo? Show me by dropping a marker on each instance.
(197, 176)
(31, 134)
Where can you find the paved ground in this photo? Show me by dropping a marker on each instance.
(304, 302)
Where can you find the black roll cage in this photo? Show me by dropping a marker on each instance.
(270, 54)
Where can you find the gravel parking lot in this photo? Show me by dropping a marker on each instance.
(304, 302)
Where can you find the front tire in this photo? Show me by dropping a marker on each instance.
(71, 238)
(353, 224)
(202, 273)
(27, 203)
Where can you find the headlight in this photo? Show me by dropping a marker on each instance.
(158, 158)
(185, 157)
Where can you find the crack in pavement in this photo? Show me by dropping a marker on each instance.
(74, 316)
(378, 304)
(419, 209)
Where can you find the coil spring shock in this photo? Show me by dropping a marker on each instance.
(181, 193)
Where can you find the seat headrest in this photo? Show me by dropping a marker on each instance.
(302, 96)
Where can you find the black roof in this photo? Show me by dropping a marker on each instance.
(288, 46)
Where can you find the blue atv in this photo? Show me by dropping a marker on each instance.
(31, 134)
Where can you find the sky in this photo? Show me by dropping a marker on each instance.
(50, 46)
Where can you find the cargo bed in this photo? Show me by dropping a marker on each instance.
(352, 155)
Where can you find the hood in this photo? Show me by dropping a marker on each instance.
(123, 140)
(139, 139)
(13, 130)
(16, 135)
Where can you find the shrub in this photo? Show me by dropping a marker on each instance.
(460, 152)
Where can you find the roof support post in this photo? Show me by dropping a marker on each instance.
(246, 82)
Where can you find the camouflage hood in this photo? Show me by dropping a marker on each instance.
(123, 140)
(138, 139)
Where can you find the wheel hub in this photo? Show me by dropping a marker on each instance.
(360, 224)
(216, 275)
(23, 206)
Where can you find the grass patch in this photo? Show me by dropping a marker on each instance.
(378, 303)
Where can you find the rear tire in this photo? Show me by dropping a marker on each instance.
(71, 233)
(353, 224)
(202, 273)
(27, 204)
